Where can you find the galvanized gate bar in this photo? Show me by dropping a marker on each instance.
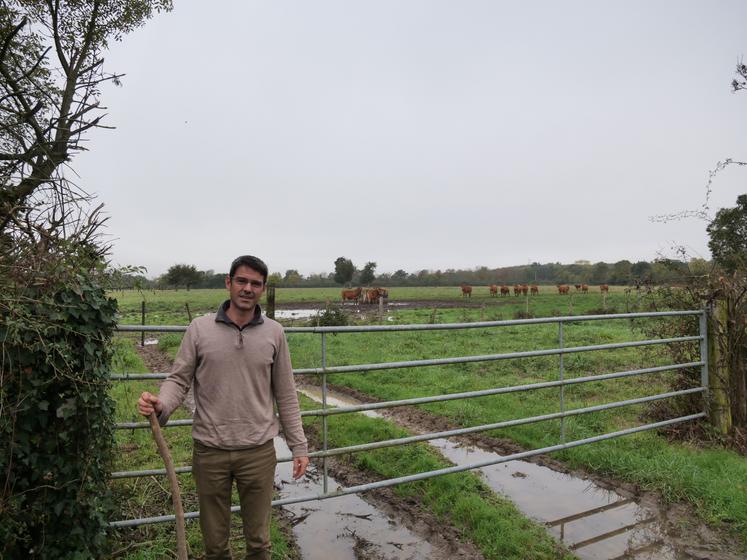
(561, 378)
(495, 357)
(324, 418)
(448, 433)
(455, 396)
(456, 360)
(438, 326)
(487, 463)
(485, 324)
(426, 475)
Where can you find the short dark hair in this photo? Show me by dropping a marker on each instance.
(252, 262)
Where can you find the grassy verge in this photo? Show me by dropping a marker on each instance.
(150, 496)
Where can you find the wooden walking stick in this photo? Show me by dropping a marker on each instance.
(176, 497)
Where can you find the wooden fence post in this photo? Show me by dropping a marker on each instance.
(142, 322)
(719, 407)
(271, 301)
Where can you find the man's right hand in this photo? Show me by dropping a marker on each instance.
(148, 403)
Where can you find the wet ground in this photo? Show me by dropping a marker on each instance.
(594, 519)
(348, 526)
(591, 518)
(376, 526)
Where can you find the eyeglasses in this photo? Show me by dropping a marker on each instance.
(243, 282)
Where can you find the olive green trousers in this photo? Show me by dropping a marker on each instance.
(214, 471)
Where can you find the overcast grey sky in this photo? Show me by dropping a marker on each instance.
(418, 134)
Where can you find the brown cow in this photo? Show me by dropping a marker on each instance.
(577, 286)
(351, 295)
(493, 290)
(534, 290)
(584, 288)
(563, 290)
(517, 289)
(524, 289)
(383, 292)
(466, 290)
(371, 295)
(505, 290)
(604, 288)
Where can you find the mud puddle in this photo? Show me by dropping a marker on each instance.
(593, 522)
(343, 528)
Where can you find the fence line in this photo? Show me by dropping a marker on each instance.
(561, 383)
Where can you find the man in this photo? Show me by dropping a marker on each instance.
(239, 363)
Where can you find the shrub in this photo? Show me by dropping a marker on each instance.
(330, 317)
(521, 314)
(57, 418)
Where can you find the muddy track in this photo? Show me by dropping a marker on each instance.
(695, 538)
(446, 541)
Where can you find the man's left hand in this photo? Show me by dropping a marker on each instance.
(299, 466)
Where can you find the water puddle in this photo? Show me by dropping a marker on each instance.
(295, 313)
(594, 523)
(342, 528)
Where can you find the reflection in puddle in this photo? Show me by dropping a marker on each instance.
(594, 523)
(331, 529)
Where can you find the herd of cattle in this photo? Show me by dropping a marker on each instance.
(524, 289)
(372, 295)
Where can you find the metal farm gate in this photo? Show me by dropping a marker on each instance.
(324, 371)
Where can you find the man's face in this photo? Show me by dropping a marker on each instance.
(245, 288)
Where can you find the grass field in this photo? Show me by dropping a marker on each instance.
(713, 480)
(169, 307)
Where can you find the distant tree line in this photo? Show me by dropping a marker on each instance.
(622, 273)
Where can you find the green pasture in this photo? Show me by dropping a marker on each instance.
(170, 307)
(711, 479)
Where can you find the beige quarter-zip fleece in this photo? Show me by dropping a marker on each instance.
(237, 373)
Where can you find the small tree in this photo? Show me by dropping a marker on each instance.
(185, 275)
(292, 278)
(368, 273)
(56, 321)
(728, 236)
(399, 277)
(344, 270)
(48, 103)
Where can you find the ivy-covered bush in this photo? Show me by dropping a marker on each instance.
(56, 418)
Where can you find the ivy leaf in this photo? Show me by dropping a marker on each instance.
(67, 409)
